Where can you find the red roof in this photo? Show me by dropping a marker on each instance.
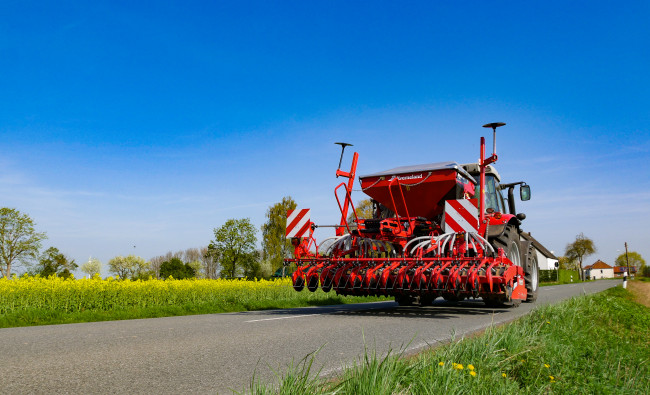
(622, 269)
(600, 265)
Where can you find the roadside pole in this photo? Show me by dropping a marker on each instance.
(626, 273)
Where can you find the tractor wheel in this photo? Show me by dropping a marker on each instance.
(510, 243)
(531, 273)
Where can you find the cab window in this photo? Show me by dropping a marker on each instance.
(493, 197)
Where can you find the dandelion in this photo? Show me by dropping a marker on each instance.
(504, 375)
(470, 367)
(547, 365)
(441, 363)
(548, 322)
(473, 373)
(458, 366)
(551, 377)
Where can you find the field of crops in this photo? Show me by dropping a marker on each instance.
(36, 300)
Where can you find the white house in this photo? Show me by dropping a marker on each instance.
(545, 258)
(599, 270)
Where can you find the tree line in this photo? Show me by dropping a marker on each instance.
(231, 253)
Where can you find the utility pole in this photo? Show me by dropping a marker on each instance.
(627, 261)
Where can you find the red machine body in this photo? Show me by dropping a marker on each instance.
(431, 235)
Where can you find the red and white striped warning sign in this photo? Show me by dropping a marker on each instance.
(461, 215)
(298, 223)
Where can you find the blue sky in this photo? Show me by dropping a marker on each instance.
(148, 124)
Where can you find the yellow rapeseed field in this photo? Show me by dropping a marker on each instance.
(96, 294)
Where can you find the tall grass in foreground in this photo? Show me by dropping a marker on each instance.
(589, 345)
(36, 301)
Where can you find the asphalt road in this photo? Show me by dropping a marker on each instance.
(218, 353)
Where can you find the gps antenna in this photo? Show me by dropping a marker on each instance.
(494, 126)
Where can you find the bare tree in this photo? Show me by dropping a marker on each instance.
(210, 257)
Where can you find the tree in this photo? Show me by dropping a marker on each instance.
(53, 262)
(210, 261)
(275, 246)
(177, 269)
(19, 241)
(130, 266)
(564, 263)
(235, 241)
(363, 208)
(92, 267)
(579, 249)
(635, 259)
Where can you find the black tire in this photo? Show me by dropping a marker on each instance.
(509, 241)
(531, 272)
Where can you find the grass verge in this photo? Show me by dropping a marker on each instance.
(591, 344)
(35, 317)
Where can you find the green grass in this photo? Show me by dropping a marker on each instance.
(24, 304)
(34, 317)
(594, 344)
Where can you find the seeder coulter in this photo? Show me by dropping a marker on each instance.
(439, 229)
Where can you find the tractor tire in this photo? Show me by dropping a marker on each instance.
(509, 241)
(531, 272)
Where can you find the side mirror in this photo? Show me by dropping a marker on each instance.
(524, 192)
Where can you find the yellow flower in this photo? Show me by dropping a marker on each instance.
(473, 373)
(470, 367)
(551, 377)
(459, 366)
(441, 363)
(504, 375)
(547, 365)
(548, 322)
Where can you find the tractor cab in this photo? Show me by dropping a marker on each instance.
(494, 201)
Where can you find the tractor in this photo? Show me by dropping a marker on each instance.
(437, 230)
